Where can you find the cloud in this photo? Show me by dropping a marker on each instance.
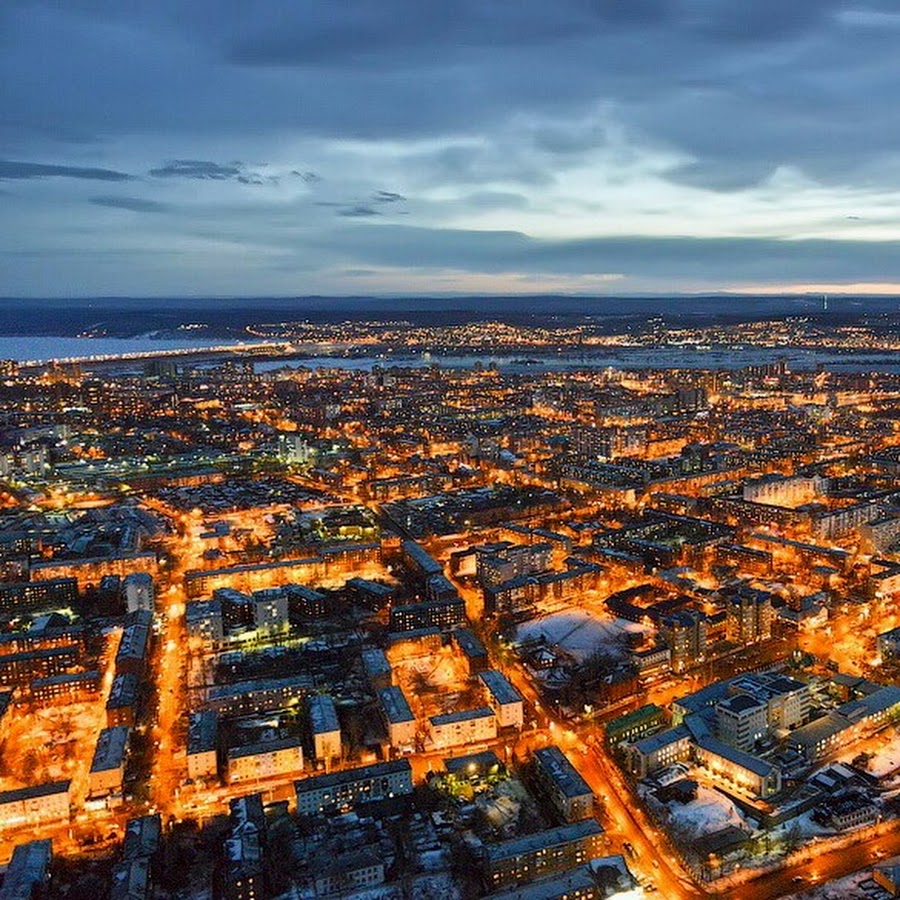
(357, 211)
(199, 169)
(563, 121)
(132, 204)
(760, 260)
(205, 170)
(10, 169)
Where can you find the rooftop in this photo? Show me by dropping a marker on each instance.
(395, 706)
(112, 744)
(552, 837)
(462, 715)
(323, 717)
(556, 765)
(349, 776)
(500, 688)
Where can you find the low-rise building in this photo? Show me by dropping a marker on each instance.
(6, 713)
(852, 720)
(466, 726)
(325, 727)
(398, 717)
(354, 870)
(353, 787)
(139, 591)
(851, 810)
(121, 705)
(28, 871)
(39, 805)
(134, 647)
(258, 696)
(445, 614)
(659, 750)
(888, 643)
(108, 764)
(143, 837)
(543, 853)
(243, 873)
(377, 668)
(503, 699)
(737, 769)
(202, 744)
(264, 759)
(634, 725)
(69, 687)
(130, 879)
(888, 877)
(18, 669)
(569, 793)
(607, 878)
(472, 649)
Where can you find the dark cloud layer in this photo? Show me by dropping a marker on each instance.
(206, 170)
(131, 204)
(197, 168)
(757, 259)
(10, 169)
(295, 134)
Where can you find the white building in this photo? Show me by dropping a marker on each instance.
(468, 726)
(139, 592)
(503, 698)
(270, 611)
(264, 759)
(38, 805)
(325, 727)
(202, 762)
(398, 717)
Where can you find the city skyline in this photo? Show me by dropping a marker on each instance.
(601, 148)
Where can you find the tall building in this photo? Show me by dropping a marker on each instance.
(741, 721)
(270, 611)
(748, 616)
(685, 634)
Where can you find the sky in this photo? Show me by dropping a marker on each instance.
(232, 148)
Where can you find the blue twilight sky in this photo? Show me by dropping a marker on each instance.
(366, 146)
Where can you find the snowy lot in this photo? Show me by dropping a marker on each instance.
(425, 887)
(885, 750)
(858, 886)
(710, 812)
(579, 632)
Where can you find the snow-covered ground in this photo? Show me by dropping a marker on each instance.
(858, 886)
(578, 632)
(710, 812)
(424, 887)
(885, 760)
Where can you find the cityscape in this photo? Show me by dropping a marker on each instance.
(279, 624)
(449, 450)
